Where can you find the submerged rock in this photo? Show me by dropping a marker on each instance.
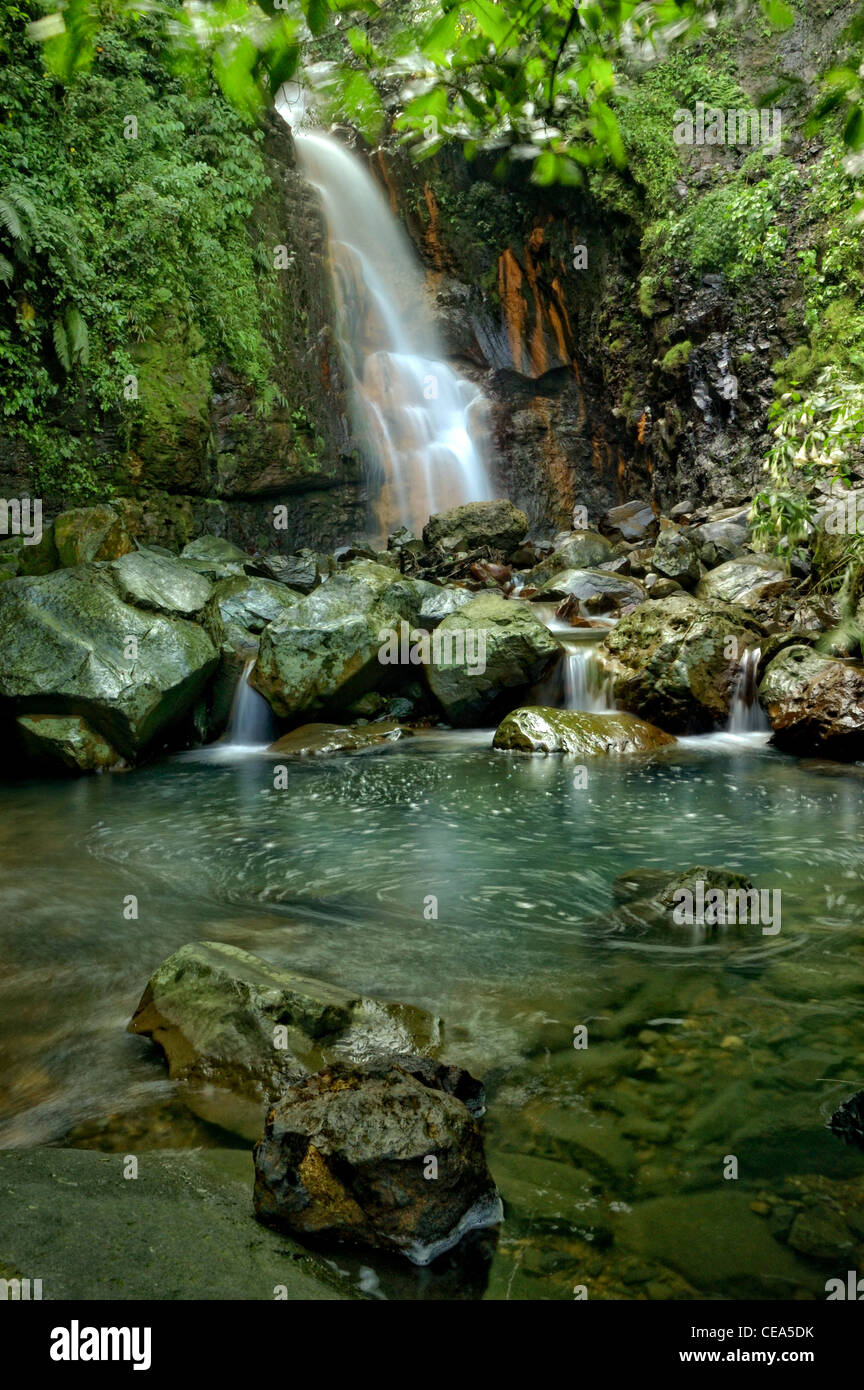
(377, 1157)
(541, 730)
(492, 648)
(322, 740)
(64, 1214)
(675, 661)
(815, 703)
(847, 1122)
(65, 650)
(238, 1029)
(497, 525)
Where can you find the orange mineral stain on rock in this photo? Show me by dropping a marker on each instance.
(433, 228)
(513, 306)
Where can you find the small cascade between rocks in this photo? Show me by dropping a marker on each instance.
(251, 723)
(746, 715)
(580, 681)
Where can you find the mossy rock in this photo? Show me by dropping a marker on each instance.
(538, 729)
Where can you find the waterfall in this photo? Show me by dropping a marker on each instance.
(419, 426)
(746, 715)
(581, 680)
(251, 723)
(587, 684)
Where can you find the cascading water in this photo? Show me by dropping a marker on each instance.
(419, 426)
(251, 723)
(746, 715)
(580, 681)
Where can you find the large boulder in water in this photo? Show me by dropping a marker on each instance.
(493, 649)
(815, 703)
(675, 661)
(65, 738)
(65, 649)
(496, 525)
(326, 651)
(377, 1157)
(537, 729)
(238, 1030)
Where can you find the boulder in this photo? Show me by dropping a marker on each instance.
(676, 557)
(815, 703)
(322, 740)
(90, 533)
(673, 663)
(491, 650)
(241, 607)
(347, 1157)
(496, 525)
(581, 550)
(631, 521)
(67, 739)
(238, 1030)
(65, 650)
(847, 1121)
(718, 541)
(537, 729)
(298, 571)
(598, 591)
(41, 558)
(326, 651)
(749, 581)
(214, 558)
(152, 579)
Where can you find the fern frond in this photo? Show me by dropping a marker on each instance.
(61, 345)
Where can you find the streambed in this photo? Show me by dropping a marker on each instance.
(610, 1158)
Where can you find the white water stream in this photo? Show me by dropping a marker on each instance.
(420, 427)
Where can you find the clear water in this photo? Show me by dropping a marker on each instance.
(610, 1159)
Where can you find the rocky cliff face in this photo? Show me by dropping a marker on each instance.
(622, 357)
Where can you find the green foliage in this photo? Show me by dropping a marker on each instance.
(677, 357)
(740, 226)
(124, 198)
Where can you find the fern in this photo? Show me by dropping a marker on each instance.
(61, 345)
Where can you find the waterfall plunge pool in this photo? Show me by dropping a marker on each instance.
(610, 1159)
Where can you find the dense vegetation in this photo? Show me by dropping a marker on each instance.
(130, 161)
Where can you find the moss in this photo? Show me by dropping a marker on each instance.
(677, 357)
